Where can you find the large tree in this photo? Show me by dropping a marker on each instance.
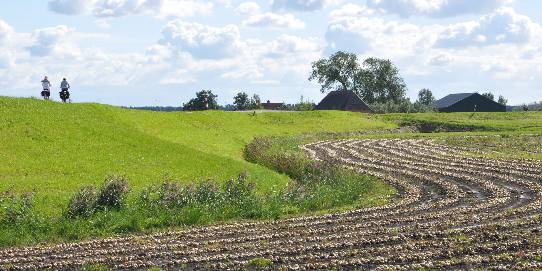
(255, 102)
(204, 100)
(336, 73)
(489, 95)
(241, 101)
(375, 80)
(425, 97)
(380, 81)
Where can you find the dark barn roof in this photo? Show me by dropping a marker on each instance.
(343, 100)
(468, 102)
(452, 99)
(272, 106)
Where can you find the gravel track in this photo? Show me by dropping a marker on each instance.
(451, 213)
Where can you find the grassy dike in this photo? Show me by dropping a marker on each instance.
(52, 150)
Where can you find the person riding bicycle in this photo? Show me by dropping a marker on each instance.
(46, 88)
(64, 93)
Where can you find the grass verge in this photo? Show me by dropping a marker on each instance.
(112, 209)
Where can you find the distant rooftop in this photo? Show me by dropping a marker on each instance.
(452, 99)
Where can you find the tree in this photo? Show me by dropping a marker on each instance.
(489, 95)
(204, 100)
(255, 102)
(304, 105)
(379, 81)
(336, 73)
(241, 101)
(375, 80)
(502, 100)
(425, 97)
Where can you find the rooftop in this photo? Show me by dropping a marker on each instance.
(452, 99)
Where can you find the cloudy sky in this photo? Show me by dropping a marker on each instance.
(160, 52)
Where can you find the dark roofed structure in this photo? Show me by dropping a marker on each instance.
(343, 100)
(272, 106)
(468, 102)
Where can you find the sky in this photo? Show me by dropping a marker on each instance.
(160, 52)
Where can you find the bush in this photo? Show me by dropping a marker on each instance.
(113, 193)
(83, 203)
(169, 194)
(403, 106)
(207, 192)
(15, 209)
(238, 190)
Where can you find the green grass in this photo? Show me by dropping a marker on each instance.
(480, 121)
(505, 145)
(53, 149)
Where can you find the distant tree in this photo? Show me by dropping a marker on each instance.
(241, 101)
(425, 97)
(336, 73)
(502, 100)
(304, 105)
(205, 100)
(255, 102)
(489, 95)
(227, 107)
(379, 82)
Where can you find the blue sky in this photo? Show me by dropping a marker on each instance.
(160, 52)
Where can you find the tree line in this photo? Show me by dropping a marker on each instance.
(207, 100)
(376, 81)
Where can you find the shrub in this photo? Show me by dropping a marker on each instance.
(174, 195)
(238, 190)
(15, 208)
(113, 193)
(83, 203)
(206, 192)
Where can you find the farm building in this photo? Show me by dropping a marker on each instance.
(468, 102)
(272, 106)
(343, 100)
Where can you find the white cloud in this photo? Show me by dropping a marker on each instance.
(435, 8)
(70, 7)
(119, 8)
(5, 31)
(288, 46)
(184, 8)
(270, 19)
(440, 60)
(364, 34)
(7, 59)
(202, 41)
(248, 8)
(178, 77)
(49, 40)
(504, 26)
(299, 5)
(351, 10)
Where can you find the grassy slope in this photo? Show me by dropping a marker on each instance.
(53, 149)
